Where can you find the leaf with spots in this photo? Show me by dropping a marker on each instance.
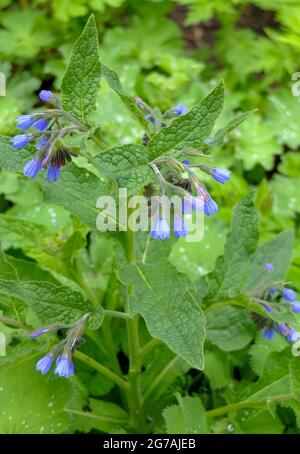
(81, 82)
(32, 404)
(189, 130)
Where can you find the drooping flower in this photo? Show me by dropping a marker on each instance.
(53, 173)
(288, 294)
(220, 175)
(32, 168)
(180, 229)
(295, 306)
(210, 206)
(268, 333)
(20, 141)
(45, 95)
(150, 118)
(181, 109)
(160, 229)
(44, 364)
(41, 143)
(25, 121)
(64, 366)
(41, 124)
(268, 267)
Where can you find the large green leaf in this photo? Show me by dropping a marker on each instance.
(164, 299)
(232, 269)
(81, 81)
(189, 130)
(32, 404)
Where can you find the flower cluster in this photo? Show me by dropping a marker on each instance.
(194, 194)
(270, 298)
(62, 352)
(47, 135)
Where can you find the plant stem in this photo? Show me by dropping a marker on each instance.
(102, 369)
(134, 394)
(12, 322)
(116, 314)
(149, 346)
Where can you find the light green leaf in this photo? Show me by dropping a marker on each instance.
(220, 135)
(232, 269)
(217, 368)
(81, 81)
(104, 416)
(255, 143)
(278, 252)
(164, 299)
(129, 101)
(32, 404)
(189, 130)
(188, 417)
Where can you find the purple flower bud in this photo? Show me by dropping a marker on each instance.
(284, 329)
(32, 168)
(268, 267)
(41, 124)
(268, 308)
(25, 121)
(295, 306)
(208, 140)
(41, 143)
(150, 118)
(38, 332)
(186, 162)
(45, 95)
(64, 366)
(210, 206)
(288, 294)
(220, 175)
(293, 336)
(180, 228)
(44, 364)
(181, 109)
(20, 141)
(268, 333)
(53, 173)
(273, 291)
(160, 229)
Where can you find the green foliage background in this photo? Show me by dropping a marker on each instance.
(166, 52)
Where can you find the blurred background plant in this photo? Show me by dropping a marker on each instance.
(166, 52)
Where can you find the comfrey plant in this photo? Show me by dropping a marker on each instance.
(145, 324)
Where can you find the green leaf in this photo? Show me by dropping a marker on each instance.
(82, 79)
(104, 416)
(189, 130)
(217, 368)
(164, 299)
(262, 348)
(129, 101)
(129, 165)
(255, 143)
(51, 303)
(188, 417)
(230, 328)
(278, 252)
(232, 269)
(220, 135)
(31, 403)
